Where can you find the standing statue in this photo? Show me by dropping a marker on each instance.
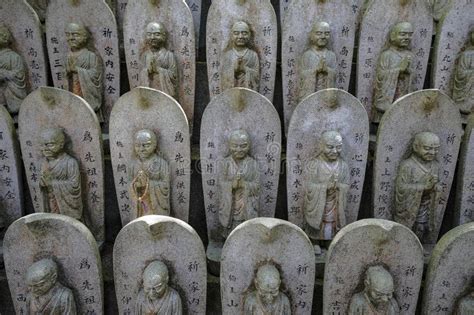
(84, 68)
(377, 297)
(417, 186)
(150, 177)
(394, 73)
(46, 295)
(463, 86)
(267, 297)
(317, 68)
(240, 63)
(156, 297)
(160, 71)
(13, 86)
(239, 184)
(466, 305)
(327, 185)
(60, 178)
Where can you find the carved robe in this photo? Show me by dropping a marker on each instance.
(463, 87)
(13, 88)
(165, 72)
(58, 301)
(155, 193)
(309, 80)
(85, 73)
(253, 305)
(361, 305)
(250, 79)
(169, 304)
(64, 196)
(466, 306)
(324, 206)
(238, 204)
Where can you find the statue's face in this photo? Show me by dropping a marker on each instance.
(427, 148)
(144, 146)
(332, 148)
(155, 35)
(239, 147)
(268, 290)
(155, 288)
(4, 38)
(321, 34)
(76, 36)
(380, 294)
(40, 285)
(403, 35)
(52, 146)
(240, 34)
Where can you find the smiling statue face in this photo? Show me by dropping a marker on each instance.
(426, 146)
(156, 35)
(145, 144)
(52, 142)
(379, 286)
(76, 36)
(331, 142)
(401, 35)
(240, 34)
(239, 144)
(267, 283)
(320, 34)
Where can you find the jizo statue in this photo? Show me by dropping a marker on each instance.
(463, 85)
(157, 297)
(160, 68)
(417, 186)
(394, 73)
(317, 68)
(46, 295)
(377, 297)
(267, 297)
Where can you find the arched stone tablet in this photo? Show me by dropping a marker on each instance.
(160, 240)
(379, 19)
(449, 280)
(100, 85)
(454, 54)
(325, 111)
(372, 248)
(270, 247)
(23, 57)
(31, 240)
(155, 111)
(229, 116)
(168, 64)
(417, 113)
(11, 190)
(317, 46)
(76, 174)
(257, 53)
(40, 7)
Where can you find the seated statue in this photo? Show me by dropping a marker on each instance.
(317, 68)
(463, 87)
(267, 297)
(160, 70)
(395, 69)
(377, 297)
(46, 296)
(13, 82)
(60, 178)
(239, 184)
(417, 186)
(150, 177)
(157, 297)
(240, 64)
(466, 305)
(84, 68)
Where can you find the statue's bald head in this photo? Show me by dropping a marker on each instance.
(156, 27)
(401, 34)
(77, 28)
(379, 285)
(41, 276)
(267, 282)
(145, 143)
(240, 25)
(55, 135)
(77, 36)
(426, 145)
(155, 279)
(241, 34)
(239, 134)
(330, 136)
(331, 145)
(146, 135)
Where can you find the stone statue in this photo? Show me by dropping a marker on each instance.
(46, 295)
(240, 63)
(317, 68)
(150, 177)
(267, 297)
(377, 297)
(13, 86)
(417, 186)
(60, 178)
(463, 86)
(84, 68)
(466, 305)
(156, 297)
(327, 184)
(395, 69)
(160, 70)
(239, 183)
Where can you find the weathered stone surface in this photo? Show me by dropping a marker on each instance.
(327, 110)
(176, 66)
(165, 239)
(449, 276)
(40, 7)
(271, 241)
(68, 243)
(422, 111)
(261, 19)
(366, 243)
(300, 54)
(145, 108)
(98, 19)
(48, 108)
(379, 17)
(439, 8)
